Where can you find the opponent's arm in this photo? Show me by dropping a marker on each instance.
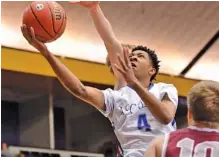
(105, 31)
(119, 83)
(90, 95)
(155, 147)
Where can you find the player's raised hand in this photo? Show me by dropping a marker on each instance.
(87, 4)
(125, 67)
(29, 35)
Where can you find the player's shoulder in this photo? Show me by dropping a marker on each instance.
(164, 86)
(120, 91)
(126, 88)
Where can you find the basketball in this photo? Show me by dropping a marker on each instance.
(47, 18)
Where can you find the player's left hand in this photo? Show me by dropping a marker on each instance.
(125, 67)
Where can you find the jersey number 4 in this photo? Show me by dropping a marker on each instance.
(143, 123)
(200, 150)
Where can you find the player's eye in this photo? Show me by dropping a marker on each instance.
(141, 56)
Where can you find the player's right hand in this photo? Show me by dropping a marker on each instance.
(29, 35)
(87, 4)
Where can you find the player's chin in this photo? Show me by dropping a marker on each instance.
(135, 72)
(134, 68)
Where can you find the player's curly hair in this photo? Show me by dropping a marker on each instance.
(153, 57)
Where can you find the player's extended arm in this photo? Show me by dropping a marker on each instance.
(90, 95)
(106, 32)
(155, 147)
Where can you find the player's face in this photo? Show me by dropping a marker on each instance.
(141, 64)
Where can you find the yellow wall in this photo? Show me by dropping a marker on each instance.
(34, 63)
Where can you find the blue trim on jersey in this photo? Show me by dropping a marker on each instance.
(173, 122)
(150, 85)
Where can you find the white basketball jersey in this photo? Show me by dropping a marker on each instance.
(134, 125)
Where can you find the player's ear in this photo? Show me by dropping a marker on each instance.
(152, 71)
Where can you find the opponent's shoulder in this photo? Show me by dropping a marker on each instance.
(179, 132)
(159, 140)
(155, 147)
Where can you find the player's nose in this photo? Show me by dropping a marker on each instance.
(133, 58)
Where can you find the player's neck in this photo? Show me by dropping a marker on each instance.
(211, 125)
(145, 82)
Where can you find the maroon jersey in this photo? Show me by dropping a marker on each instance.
(192, 142)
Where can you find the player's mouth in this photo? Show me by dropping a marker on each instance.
(133, 65)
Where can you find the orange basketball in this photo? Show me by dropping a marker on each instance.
(47, 18)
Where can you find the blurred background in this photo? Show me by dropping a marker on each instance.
(40, 118)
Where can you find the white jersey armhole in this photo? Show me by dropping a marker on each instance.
(165, 143)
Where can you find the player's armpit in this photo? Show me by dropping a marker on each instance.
(170, 108)
(93, 96)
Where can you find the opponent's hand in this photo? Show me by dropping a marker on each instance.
(87, 4)
(29, 35)
(125, 67)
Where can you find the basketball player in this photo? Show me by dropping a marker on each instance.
(145, 75)
(201, 138)
(139, 111)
